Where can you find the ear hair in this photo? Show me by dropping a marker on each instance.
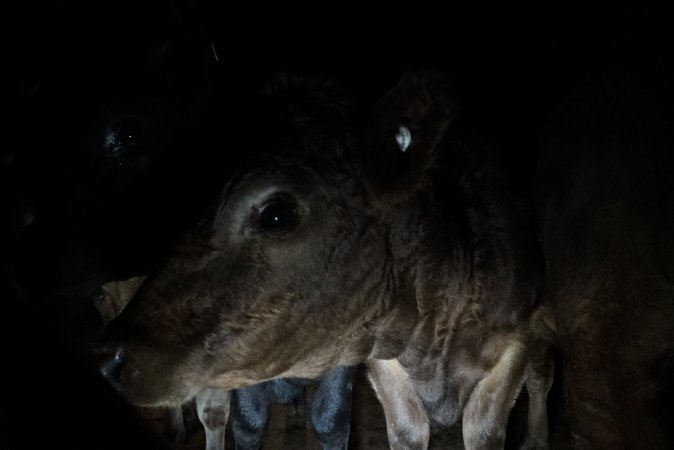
(404, 135)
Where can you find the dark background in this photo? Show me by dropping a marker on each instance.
(511, 63)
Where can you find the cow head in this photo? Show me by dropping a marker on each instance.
(292, 273)
(100, 174)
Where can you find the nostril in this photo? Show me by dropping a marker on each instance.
(111, 367)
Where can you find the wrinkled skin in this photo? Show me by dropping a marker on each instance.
(408, 254)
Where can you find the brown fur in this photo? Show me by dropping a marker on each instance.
(607, 215)
(433, 268)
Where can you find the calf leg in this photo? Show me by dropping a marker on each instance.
(539, 377)
(252, 410)
(406, 419)
(331, 408)
(176, 428)
(485, 416)
(213, 411)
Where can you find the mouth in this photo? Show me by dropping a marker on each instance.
(157, 385)
(156, 394)
(169, 401)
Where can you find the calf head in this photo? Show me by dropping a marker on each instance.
(293, 272)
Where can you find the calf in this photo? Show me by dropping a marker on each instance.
(392, 245)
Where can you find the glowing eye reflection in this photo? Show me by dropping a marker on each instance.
(280, 212)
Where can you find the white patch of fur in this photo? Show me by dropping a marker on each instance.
(485, 416)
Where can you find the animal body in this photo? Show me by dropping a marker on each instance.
(388, 243)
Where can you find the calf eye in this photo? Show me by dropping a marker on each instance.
(278, 213)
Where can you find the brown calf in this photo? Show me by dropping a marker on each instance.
(396, 246)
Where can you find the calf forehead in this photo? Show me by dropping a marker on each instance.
(306, 180)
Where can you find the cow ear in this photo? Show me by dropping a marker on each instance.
(404, 135)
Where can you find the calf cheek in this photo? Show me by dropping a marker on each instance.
(265, 341)
(267, 327)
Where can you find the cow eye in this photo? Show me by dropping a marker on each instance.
(279, 213)
(126, 139)
(129, 136)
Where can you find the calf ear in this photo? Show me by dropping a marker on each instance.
(404, 136)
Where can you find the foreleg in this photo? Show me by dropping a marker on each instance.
(213, 411)
(485, 416)
(407, 423)
(331, 408)
(252, 411)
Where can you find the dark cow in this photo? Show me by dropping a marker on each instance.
(251, 408)
(395, 245)
(330, 408)
(99, 142)
(607, 214)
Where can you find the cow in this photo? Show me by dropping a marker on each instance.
(82, 185)
(606, 214)
(394, 243)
